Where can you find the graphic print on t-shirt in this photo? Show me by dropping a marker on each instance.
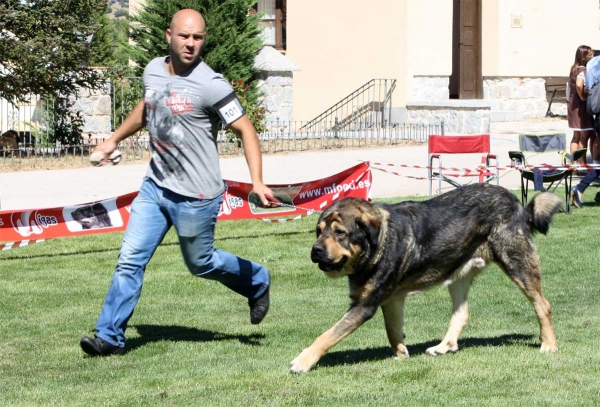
(167, 132)
(179, 104)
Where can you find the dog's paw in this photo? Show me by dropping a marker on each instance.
(442, 349)
(304, 361)
(548, 348)
(401, 352)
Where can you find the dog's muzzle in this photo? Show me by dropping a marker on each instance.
(319, 255)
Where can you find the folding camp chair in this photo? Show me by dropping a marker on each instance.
(440, 146)
(545, 178)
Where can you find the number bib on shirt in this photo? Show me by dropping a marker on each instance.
(229, 109)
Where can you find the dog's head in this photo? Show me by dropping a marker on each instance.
(348, 236)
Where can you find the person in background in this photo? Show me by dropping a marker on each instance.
(580, 121)
(592, 78)
(594, 142)
(184, 103)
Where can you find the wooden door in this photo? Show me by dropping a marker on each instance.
(470, 82)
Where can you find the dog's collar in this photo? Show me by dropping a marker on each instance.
(383, 229)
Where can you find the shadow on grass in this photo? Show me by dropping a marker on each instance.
(351, 357)
(156, 333)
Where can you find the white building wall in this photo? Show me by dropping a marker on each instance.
(545, 44)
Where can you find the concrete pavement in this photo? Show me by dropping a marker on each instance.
(51, 188)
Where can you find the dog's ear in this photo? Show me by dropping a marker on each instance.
(370, 224)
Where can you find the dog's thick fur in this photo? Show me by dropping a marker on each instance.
(390, 251)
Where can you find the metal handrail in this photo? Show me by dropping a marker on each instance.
(359, 104)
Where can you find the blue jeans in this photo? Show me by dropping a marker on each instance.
(587, 180)
(153, 212)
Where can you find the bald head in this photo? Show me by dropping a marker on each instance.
(187, 15)
(186, 37)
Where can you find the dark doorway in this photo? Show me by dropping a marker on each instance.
(466, 81)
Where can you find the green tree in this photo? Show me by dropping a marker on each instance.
(232, 42)
(44, 47)
(103, 42)
(45, 50)
(121, 41)
(111, 42)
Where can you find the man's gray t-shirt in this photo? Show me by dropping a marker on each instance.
(183, 114)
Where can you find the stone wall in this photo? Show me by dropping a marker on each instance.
(527, 95)
(96, 109)
(278, 97)
(516, 98)
(276, 77)
(430, 88)
(459, 116)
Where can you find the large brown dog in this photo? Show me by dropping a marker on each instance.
(391, 251)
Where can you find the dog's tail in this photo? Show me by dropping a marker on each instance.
(540, 211)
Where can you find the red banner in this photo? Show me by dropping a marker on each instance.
(111, 215)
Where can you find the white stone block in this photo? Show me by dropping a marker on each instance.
(279, 80)
(86, 106)
(91, 125)
(107, 124)
(103, 105)
(287, 95)
(273, 103)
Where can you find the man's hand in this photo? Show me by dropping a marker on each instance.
(266, 196)
(105, 151)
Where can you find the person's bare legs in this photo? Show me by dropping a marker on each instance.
(591, 142)
(575, 141)
(584, 137)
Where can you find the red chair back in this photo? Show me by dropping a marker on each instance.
(459, 144)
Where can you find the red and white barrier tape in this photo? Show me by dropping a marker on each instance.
(511, 167)
(435, 175)
(21, 243)
(400, 175)
(463, 170)
(544, 167)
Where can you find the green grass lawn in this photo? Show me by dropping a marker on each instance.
(190, 341)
